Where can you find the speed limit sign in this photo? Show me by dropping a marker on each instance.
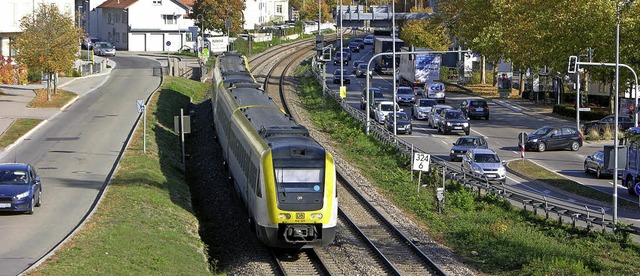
(421, 161)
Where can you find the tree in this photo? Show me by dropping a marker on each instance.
(215, 14)
(49, 41)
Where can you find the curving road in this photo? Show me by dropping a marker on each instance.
(74, 153)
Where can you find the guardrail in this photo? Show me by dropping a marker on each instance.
(580, 216)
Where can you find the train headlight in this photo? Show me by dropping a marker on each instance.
(316, 216)
(284, 216)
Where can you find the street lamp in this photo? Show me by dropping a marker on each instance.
(200, 18)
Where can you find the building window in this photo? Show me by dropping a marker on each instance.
(124, 18)
(109, 18)
(124, 37)
(189, 37)
(279, 9)
(157, 2)
(117, 17)
(117, 37)
(169, 19)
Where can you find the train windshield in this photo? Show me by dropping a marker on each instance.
(299, 180)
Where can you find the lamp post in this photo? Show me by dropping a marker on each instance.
(200, 18)
(393, 61)
(341, 50)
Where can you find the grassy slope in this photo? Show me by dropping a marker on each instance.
(144, 225)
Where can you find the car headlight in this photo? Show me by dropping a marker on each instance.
(465, 124)
(534, 140)
(407, 126)
(452, 151)
(477, 169)
(448, 123)
(316, 216)
(284, 216)
(22, 195)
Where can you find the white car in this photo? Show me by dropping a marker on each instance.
(104, 49)
(484, 163)
(382, 110)
(434, 115)
(435, 90)
(422, 107)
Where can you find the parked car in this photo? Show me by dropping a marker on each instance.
(422, 107)
(20, 188)
(368, 40)
(595, 163)
(434, 115)
(548, 137)
(607, 122)
(375, 95)
(104, 49)
(87, 43)
(475, 108)
(434, 90)
(360, 42)
(404, 95)
(484, 163)
(340, 56)
(465, 143)
(354, 47)
(361, 71)
(382, 109)
(453, 120)
(402, 121)
(345, 77)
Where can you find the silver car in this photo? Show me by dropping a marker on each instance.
(434, 114)
(484, 163)
(422, 107)
(104, 49)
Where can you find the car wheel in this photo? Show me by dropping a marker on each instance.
(575, 146)
(486, 117)
(598, 173)
(586, 168)
(33, 201)
(39, 202)
(466, 132)
(542, 147)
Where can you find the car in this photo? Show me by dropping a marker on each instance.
(404, 95)
(434, 115)
(465, 143)
(382, 109)
(355, 66)
(453, 120)
(549, 137)
(354, 47)
(475, 108)
(20, 188)
(434, 90)
(402, 122)
(87, 43)
(104, 49)
(595, 163)
(607, 122)
(360, 42)
(375, 94)
(348, 51)
(422, 107)
(345, 77)
(345, 57)
(361, 71)
(368, 40)
(484, 163)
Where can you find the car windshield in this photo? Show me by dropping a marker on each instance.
(13, 177)
(467, 142)
(454, 115)
(402, 117)
(542, 131)
(405, 91)
(386, 107)
(425, 103)
(362, 66)
(486, 158)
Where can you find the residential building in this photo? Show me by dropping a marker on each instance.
(265, 12)
(12, 11)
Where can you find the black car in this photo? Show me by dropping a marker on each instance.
(360, 42)
(375, 95)
(475, 108)
(465, 143)
(453, 120)
(548, 137)
(345, 77)
(20, 188)
(403, 123)
(595, 163)
(607, 122)
(345, 57)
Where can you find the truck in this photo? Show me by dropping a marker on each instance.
(628, 160)
(383, 63)
(416, 70)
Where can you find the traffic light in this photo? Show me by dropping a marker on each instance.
(573, 60)
(632, 111)
(583, 100)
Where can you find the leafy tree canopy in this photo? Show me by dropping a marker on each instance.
(214, 14)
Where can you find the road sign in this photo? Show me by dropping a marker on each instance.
(140, 105)
(168, 43)
(440, 194)
(636, 188)
(586, 109)
(421, 161)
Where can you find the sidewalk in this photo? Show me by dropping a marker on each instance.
(14, 101)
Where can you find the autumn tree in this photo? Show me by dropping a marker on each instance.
(49, 41)
(429, 33)
(215, 14)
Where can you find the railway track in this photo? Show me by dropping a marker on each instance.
(394, 252)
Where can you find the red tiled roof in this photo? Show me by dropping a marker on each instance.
(188, 3)
(117, 4)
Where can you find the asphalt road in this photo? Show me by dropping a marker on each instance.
(74, 153)
(501, 131)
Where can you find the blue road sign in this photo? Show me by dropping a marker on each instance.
(168, 43)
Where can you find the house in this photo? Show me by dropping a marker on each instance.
(12, 11)
(265, 12)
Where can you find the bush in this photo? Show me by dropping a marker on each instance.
(570, 111)
(34, 75)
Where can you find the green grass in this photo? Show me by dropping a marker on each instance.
(18, 128)
(144, 224)
(485, 231)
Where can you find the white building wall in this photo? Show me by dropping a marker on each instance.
(255, 14)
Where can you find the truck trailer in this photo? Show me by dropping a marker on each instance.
(383, 63)
(419, 69)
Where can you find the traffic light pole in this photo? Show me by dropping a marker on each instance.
(578, 94)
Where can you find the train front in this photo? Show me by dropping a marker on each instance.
(300, 183)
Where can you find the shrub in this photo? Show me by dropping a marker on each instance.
(34, 75)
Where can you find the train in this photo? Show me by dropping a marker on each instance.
(285, 178)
